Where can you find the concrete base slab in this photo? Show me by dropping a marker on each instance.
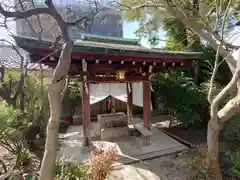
(111, 133)
(128, 147)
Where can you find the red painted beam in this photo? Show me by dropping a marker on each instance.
(112, 68)
(94, 68)
(106, 57)
(86, 116)
(98, 79)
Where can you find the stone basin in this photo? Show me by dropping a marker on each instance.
(103, 119)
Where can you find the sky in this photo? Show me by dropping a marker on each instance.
(129, 29)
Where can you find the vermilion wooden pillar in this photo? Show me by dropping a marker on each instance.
(129, 102)
(86, 115)
(146, 104)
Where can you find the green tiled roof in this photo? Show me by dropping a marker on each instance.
(110, 46)
(108, 39)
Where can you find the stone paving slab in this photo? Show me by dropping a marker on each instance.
(129, 148)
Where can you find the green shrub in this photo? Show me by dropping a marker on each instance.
(235, 159)
(12, 137)
(231, 130)
(68, 169)
(21, 128)
(182, 98)
(31, 108)
(100, 165)
(19, 164)
(231, 166)
(74, 91)
(198, 163)
(9, 120)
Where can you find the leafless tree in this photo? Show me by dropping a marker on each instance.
(24, 10)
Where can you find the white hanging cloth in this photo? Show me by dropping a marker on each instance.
(119, 91)
(137, 88)
(98, 92)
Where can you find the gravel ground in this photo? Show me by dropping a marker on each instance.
(167, 167)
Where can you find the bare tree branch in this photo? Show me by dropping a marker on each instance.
(2, 73)
(230, 109)
(222, 95)
(26, 19)
(24, 14)
(206, 35)
(170, 8)
(83, 22)
(51, 10)
(20, 85)
(216, 63)
(57, 84)
(78, 21)
(63, 26)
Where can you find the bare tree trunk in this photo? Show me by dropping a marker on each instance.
(213, 150)
(217, 117)
(54, 95)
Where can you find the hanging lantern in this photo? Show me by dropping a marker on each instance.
(120, 75)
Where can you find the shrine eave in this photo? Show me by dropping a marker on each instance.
(92, 50)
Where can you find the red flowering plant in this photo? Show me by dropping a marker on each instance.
(101, 162)
(199, 161)
(199, 158)
(202, 151)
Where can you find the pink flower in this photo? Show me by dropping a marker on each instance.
(204, 161)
